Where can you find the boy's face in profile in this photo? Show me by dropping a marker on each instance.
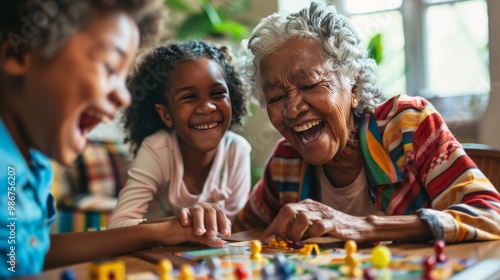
(63, 97)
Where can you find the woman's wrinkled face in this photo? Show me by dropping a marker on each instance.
(306, 102)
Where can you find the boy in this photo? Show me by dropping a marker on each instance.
(63, 66)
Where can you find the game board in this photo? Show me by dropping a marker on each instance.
(235, 262)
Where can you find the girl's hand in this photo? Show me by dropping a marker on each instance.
(206, 218)
(309, 218)
(169, 231)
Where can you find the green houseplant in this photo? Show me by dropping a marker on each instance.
(201, 19)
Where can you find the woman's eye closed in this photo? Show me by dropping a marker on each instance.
(275, 99)
(309, 87)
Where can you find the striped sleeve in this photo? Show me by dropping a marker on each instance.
(465, 205)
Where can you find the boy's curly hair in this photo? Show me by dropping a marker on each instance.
(46, 25)
(151, 80)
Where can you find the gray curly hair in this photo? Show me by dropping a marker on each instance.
(46, 25)
(340, 43)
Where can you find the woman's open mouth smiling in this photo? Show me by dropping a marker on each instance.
(310, 132)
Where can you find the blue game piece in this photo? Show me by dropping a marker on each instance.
(267, 272)
(287, 270)
(214, 268)
(68, 274)
(320, 275)
(279, 260)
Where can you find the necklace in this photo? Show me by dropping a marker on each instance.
(351, 145)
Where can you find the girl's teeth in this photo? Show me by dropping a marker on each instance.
(205, 126)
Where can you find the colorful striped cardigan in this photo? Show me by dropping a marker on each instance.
(413, 165)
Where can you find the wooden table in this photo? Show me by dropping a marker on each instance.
(137, 262)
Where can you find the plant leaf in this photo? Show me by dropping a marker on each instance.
(375, 48)
(236, 30)
(179, 5)
(195, 27)
(234, 8)
(212, 14)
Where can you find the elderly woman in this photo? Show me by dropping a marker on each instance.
(351, 166)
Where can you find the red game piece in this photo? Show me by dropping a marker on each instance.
(429, 264)
(439, 250)
(368, 274)
(240, 272)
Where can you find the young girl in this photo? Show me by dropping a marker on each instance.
(185, 98)
(62, 71)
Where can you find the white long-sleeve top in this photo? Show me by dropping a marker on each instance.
(155, 187)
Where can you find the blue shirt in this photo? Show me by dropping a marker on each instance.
(26, 209)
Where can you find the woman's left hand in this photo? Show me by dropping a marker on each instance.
(206, 218)
(309, 218)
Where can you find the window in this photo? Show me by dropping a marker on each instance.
(432, 48)
(293, 6)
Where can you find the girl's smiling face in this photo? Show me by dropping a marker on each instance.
(198, 104)
(63, 97)
(306, 101)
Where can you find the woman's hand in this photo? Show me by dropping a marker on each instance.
(308, 218)
(205, 218)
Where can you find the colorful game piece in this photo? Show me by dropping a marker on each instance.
(295, 245)
(283, 245)
(381, 256)
(439, 250)
(273, 243)
(350, 260)
(186, 272)
(214, 267)
(369, 274)
(164, 269)
(256, 248)
(279, 261)
(240, 272)
(267, 272)
(309, 249)
(68, 274)
(429, 264)
(287, 270)
(104, 270)
(320, 275)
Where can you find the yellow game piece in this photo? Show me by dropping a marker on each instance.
(283, 245)
(186, 272)
(309, 249)
(104, 270)
(273, 243)
(381, 256)
(351, 247)
(255, 248)
(164, 269)
(351, 261)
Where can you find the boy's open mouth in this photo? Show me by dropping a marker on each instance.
(90, 119)
(310, 131)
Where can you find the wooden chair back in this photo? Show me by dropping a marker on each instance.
(487, 159)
